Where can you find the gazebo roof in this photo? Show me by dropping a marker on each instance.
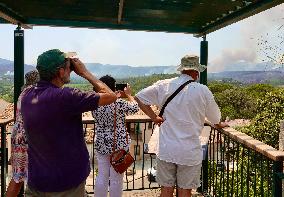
(198, 17)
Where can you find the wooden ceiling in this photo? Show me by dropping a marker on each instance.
(198, 17)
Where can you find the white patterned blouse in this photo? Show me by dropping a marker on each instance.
(104, 125)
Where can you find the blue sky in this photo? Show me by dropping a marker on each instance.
(228, 46)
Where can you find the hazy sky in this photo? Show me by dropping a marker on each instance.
(236, 43)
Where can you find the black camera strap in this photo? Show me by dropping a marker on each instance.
(172, 96)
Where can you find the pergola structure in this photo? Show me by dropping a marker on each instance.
(198, 17)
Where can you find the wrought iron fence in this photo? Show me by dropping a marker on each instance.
(141, 175)
(4, 153)
(238, 165)
(234, 165)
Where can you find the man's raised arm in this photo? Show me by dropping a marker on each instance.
(107, 96)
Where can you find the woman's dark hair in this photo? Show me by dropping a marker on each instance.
(109, 81)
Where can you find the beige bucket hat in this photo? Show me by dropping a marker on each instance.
(191, 62)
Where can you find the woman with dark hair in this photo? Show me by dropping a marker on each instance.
(104, 118)
(109, 81)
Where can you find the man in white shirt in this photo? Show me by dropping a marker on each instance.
(179, 150)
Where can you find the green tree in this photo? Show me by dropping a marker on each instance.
(7, 92)
(258, 91)
(138, 83)
(81, 86)
(235, 103)
(219, 87)
(266, 124)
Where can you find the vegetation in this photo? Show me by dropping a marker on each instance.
(6, 91)
(232, 100)
(266, 124)
(81, 86)
(138, 83)
(240, 172)
(262, 103)
(238, 100)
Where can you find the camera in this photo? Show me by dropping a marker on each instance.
(120, 86)
(71, 55)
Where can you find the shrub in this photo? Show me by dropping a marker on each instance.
(266, 124)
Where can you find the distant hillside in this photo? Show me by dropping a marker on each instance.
(7, 67)
(250, 73)
(123, 71)
(249, 76)
(118, 71)
(248, 66)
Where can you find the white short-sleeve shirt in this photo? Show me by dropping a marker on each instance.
(184, 118)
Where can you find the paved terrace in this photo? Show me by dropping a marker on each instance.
(218, 139)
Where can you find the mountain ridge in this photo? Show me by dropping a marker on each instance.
(7, 67)
(259, 73)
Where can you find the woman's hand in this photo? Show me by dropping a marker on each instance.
(127, 90)
(126, 93)
(118, 94)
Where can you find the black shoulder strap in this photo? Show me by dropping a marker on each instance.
(172, 96)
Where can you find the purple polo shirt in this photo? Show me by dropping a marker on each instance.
(57, 153)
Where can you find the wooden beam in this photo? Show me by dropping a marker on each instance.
(11, 17)
(238, 15)
(111, 25)
(120, 10)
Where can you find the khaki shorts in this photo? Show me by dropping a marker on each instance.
(186, 177)
(78, 191)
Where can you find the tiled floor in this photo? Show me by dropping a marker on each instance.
(147, 193)
(150, 193)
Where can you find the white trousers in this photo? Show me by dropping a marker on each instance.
(107, 177)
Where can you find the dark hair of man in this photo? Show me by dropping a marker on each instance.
(109, 81)
(49, 74)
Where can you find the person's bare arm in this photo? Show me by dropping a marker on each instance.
(149, 111)
(107, 96)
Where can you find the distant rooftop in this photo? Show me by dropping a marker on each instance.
(6, 109)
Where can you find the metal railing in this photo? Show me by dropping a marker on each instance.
(238, 165)
(4, 153)
(235, 164)
(140, 130)
(143, 176)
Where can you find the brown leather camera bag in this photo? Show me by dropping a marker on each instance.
(120, 159)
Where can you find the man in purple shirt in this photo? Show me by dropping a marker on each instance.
(58, 160)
